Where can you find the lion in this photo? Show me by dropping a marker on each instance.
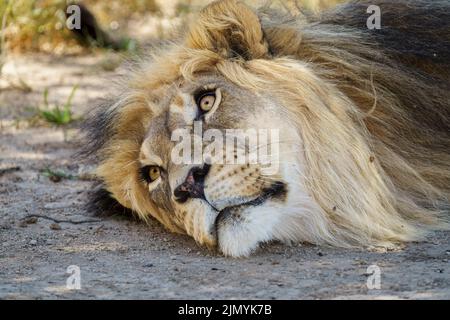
(362, 116)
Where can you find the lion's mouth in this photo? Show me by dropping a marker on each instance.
(277, 190)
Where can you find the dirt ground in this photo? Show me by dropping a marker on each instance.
(122, 258)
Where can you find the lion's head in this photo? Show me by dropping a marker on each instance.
(327, 179)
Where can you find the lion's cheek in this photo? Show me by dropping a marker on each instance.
(231, 185)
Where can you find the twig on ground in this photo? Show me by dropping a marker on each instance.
(59, 220)
(9, 170)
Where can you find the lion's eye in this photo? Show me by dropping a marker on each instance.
(150, 173)
(206, 101)
(154, 173)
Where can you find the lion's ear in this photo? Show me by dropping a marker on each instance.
(230, 28)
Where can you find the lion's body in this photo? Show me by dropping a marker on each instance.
(371, 109)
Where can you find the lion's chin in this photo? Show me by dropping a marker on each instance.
(240, 228)
(244, 228)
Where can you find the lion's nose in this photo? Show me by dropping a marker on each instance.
(193, 186)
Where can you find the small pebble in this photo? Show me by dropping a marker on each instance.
(54, 178)
(55, 226)
(31, 220)
(33, 242)
(5, 226)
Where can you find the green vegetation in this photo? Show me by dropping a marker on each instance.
(56, 176)
(59, 115)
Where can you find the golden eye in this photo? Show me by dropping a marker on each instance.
(206, 101)
(154, 173)
(150, 173)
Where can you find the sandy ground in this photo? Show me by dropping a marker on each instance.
(122, 258)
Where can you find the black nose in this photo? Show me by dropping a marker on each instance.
(193, 186)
